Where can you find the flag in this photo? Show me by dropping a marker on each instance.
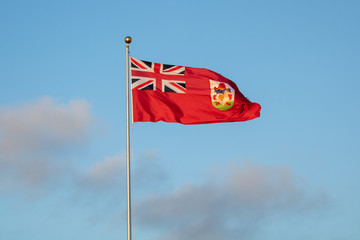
(170, 93)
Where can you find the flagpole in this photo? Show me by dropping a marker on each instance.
(128, 183)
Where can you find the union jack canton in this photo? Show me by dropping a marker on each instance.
(157, 77)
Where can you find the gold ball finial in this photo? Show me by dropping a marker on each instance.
(128, 39)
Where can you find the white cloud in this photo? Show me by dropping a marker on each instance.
(103, 175)
(226, 209)
(222, 207)
(107, 174)
(32, 135)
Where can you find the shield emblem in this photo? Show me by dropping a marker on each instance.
(222, 95)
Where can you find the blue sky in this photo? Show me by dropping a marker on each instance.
(290, 174)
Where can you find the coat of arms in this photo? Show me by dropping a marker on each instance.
(222, 95)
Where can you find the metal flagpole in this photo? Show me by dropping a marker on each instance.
(128, 184)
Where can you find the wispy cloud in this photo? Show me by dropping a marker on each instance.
(102, 175)
(226, 206)
(33, 135)
(228, 209)
(34, 138)
(107, 174)
(102, 185)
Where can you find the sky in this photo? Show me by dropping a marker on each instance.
(292, 173)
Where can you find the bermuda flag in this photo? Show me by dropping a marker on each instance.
(169, 93)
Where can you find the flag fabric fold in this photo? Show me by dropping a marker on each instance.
(170, 93)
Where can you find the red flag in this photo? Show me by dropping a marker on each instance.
(186, 95)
